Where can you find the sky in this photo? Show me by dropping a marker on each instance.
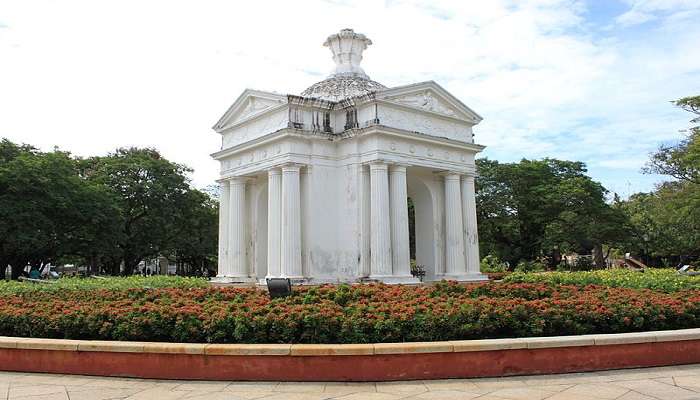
(589, 81)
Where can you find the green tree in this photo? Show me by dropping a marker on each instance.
(538, 208)
(666, 220)
(194, 243)
(47, 211)
(150, 192)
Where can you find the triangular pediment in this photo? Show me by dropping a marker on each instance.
(430, 97)
(249, 104)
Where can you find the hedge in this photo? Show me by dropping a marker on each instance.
(345, 314)
(113, 283)
(661, 279)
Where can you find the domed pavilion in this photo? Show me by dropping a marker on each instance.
(314, 186)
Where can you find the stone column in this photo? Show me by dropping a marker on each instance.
(454, 233)
(365, 222)
(237, 270)
(291, 223)
(398, 201)
(224, 189)
(306, 220)
(274, 222)
(471, 234)
(381, 257)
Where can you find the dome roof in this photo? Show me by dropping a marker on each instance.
(348, 79)
(340, 87)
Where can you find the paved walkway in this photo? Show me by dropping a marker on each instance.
(667, 383)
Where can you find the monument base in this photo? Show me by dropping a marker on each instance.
(479, 277)
(296, 280)
(395, 280)
(233, 279)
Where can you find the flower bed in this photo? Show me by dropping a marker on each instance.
(661, 279)
(345, 314)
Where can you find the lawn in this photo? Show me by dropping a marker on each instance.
(187, 310)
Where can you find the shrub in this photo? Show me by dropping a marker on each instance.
(661, 279)
(529, 266)
(492, 263)
(345, 313)
(111, 283)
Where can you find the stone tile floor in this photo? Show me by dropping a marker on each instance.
(666, 383)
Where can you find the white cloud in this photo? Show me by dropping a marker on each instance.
(92, 76)
(642, 11)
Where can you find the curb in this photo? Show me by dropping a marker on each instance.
(352, 362)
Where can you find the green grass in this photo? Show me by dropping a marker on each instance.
(110, 283)
(660, 279)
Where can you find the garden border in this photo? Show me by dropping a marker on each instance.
(352, 362)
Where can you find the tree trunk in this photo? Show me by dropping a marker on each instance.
(598, 257)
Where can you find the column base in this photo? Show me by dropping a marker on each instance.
(234, 279)
(464, 277)
(394, 279)
(296, 280)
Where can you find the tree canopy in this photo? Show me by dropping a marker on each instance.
(670, 215)
(107, 212)
(536, 209)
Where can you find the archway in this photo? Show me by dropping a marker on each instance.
(424, 226)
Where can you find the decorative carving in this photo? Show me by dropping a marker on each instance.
(337, 88)
(255, 105)
(347, 47)
(433, 126)
(425, 101)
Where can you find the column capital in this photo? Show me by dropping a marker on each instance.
(401, 168)
(274, 171)
(469, 174)
(239, 180)
(451, 174)
(291, 167)
(222, 181)
(378, 165)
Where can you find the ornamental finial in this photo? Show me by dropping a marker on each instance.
(347, 47)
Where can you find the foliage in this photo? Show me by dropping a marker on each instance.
(540, 208)
(665, 221)
(680, 161)
(345, 314)
(47, 211)
(67, 285)
(102, 212)
(492, 263)
(661, 279)
(529, 266)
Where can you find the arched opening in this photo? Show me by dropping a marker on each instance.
(421, 226)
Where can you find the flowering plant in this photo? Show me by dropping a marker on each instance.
(344, 313)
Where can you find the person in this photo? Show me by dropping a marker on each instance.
(148, 271)
(34, 273)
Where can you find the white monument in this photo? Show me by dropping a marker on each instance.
(314, 187)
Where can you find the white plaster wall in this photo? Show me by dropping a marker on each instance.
(255, 128)
(397, 117)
